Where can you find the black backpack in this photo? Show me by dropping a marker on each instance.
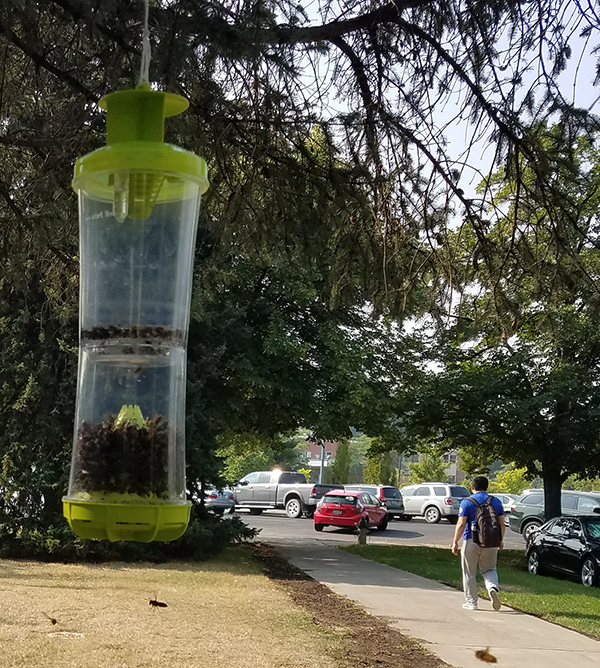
(487, 531)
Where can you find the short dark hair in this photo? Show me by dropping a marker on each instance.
(480, 483)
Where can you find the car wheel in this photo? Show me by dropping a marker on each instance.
(382, 526)
(405, 518)
(529, 528)
(432, 515)
(589, 572)
(534, 565)
(293, 508)
(232, 510)
(319, 527)
(453, 519)
(256, 511)
(310, 514)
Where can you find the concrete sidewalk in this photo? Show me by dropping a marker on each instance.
(432, 613)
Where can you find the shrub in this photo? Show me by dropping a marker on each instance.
(206, 536)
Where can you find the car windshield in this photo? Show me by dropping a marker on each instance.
(391, 493)
(338, 498)
(459, 491)
(593, 528)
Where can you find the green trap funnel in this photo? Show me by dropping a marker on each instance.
(133, 168)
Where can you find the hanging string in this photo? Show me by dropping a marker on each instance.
(145, 67)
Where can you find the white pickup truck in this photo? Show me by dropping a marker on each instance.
(267, 490)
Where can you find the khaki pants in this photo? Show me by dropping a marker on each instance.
(471, 557)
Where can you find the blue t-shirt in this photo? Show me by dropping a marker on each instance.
(467, 509)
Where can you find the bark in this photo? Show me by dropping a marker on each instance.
(551, 475)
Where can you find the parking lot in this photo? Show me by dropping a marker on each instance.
(275, 524)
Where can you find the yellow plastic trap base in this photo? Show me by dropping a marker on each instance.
(142, 523)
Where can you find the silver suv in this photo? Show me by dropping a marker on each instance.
(433, 500)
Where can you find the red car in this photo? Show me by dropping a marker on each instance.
(341, 508)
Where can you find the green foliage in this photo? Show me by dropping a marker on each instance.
(519, 376)
(582, 484)
(311, 240)
(243, 453)
(307, 473)
(339, 470)
(379, 469)
(372, 472)
(206, 535)
(388, 474)
(511, 480)
(359, 446)
(475, 462)
(534, 401)
(430, 467)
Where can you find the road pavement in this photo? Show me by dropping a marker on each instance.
(275, 524)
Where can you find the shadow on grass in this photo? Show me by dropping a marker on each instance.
(235, 560)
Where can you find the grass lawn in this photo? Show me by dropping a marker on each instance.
(561, 601)
(222, 612)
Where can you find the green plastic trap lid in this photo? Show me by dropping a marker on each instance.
(136, 168)
(139, 114)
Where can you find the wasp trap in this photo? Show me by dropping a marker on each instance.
(138, 211)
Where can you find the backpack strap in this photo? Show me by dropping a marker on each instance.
(472, 500)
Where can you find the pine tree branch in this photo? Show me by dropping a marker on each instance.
(329, 31)
(438, 167)
(27, 143)
(390, 13)
(365, 91)
(24, 220)
(81, 12)
(41, 61)
(462, 74)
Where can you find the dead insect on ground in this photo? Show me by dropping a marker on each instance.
(156, 603)
(50, 619)
(484, 655)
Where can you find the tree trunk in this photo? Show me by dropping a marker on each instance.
(552, 491)
(52, 507)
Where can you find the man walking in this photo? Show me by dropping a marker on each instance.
(473, 555)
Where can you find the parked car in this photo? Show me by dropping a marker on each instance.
(219, 501)
(433, 500)
(342, 508)
(264, 490)
(508, 503)
(387, 494)
(528, 514)
(569, 545)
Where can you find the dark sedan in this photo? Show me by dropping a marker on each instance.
(569, 545)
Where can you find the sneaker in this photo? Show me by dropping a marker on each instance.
(496, 604)
(469, 606)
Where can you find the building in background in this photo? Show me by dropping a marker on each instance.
(453, 472)
(313, 453)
